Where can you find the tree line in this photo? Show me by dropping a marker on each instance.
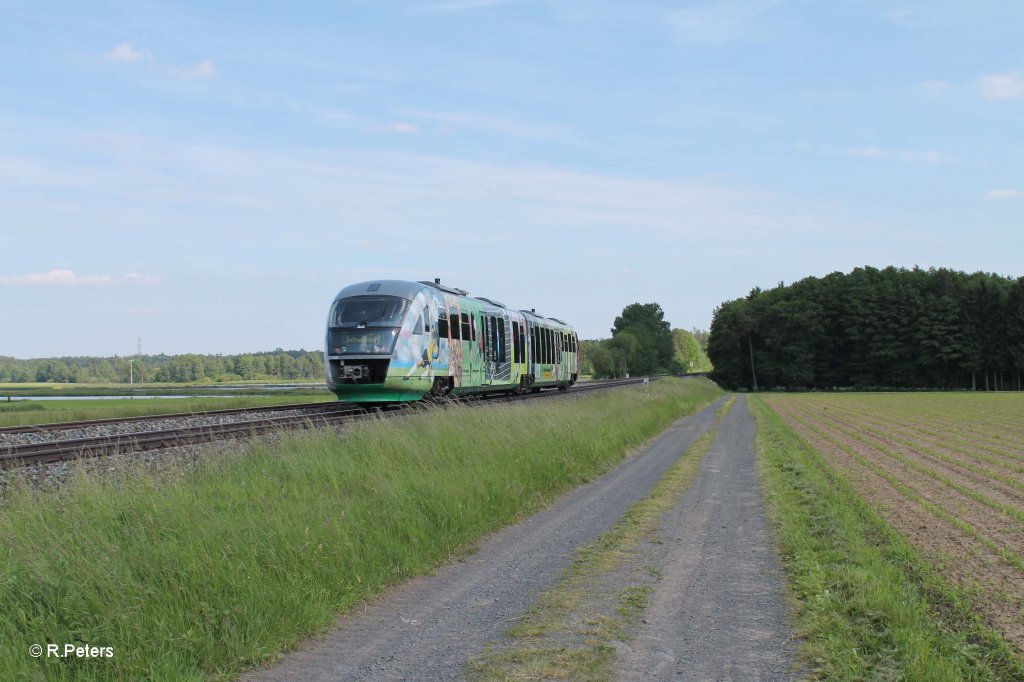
(274, 365)
(871, 328)
(643, 343)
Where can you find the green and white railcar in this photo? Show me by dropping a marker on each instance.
(392, 340)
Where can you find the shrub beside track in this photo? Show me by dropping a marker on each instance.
(223, 566)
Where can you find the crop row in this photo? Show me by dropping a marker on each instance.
(964, 511)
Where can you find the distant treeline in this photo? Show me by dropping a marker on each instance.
(891, 328)
(643, 342)
(277, 364)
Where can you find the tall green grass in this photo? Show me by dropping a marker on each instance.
(213, 569)
(868, 606)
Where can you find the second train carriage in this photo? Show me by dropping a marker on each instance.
(392, 340)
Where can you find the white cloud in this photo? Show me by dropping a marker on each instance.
(461, 5)
(1003, 194)
(198, 71)
(337, 115)
(1002, 86)
(125, 53)
(69, 278)
(134, 312)
(935, 87)
(496, 124)
(873, 152)
(717, 24)
(404, 127)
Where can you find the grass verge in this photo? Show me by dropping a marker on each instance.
(868, 605)
(202, 573)
(571, 633)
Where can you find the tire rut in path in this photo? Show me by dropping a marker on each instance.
(719, 610)
(427, 628)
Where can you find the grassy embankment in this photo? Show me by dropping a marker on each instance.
(201, 574)
(22, 412)
(868, 606)
(571, 633)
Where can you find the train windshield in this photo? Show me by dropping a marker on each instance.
(369, 311)
(362, 341)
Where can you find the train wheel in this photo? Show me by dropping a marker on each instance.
(439, 390)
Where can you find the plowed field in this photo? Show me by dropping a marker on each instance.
(946, 471)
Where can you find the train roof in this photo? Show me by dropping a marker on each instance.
(408, 290)
(382, 287)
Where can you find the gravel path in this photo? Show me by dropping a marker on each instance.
(719, 611)
(428, 628)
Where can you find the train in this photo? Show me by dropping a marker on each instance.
(397, 341)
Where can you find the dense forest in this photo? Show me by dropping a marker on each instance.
(274, 365)
(871, 328)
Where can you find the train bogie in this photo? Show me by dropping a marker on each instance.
(393, 340)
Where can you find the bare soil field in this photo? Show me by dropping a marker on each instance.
(946, 471)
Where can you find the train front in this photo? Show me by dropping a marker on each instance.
(365, 331)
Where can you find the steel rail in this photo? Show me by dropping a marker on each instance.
(141, 441)
(327, 405)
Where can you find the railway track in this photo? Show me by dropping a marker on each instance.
(307, 415)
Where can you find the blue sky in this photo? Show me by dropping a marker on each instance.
(208, 175)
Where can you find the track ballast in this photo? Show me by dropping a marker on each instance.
(122, 436)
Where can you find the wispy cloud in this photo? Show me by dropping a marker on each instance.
(1002, 86)
(1003, 194)
(337, 115)
(69, 278)
(934, 87)
(718, 23)
(198, 71)
(461, 5)
(505, 125)
(125, 53)
(404, 127)
(873, 152)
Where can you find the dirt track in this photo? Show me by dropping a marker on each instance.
(719, 612)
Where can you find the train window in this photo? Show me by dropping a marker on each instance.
(504, 339)
(522, 345)
(453, 315)
(472, 327)
(547, 346)
(467, 334)
(442, 326)
(494, 339)
(418, 327)
(369, 311)
(515, 342)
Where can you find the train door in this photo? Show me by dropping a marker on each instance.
(516, 354)
(505, 358)
(487, 329)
